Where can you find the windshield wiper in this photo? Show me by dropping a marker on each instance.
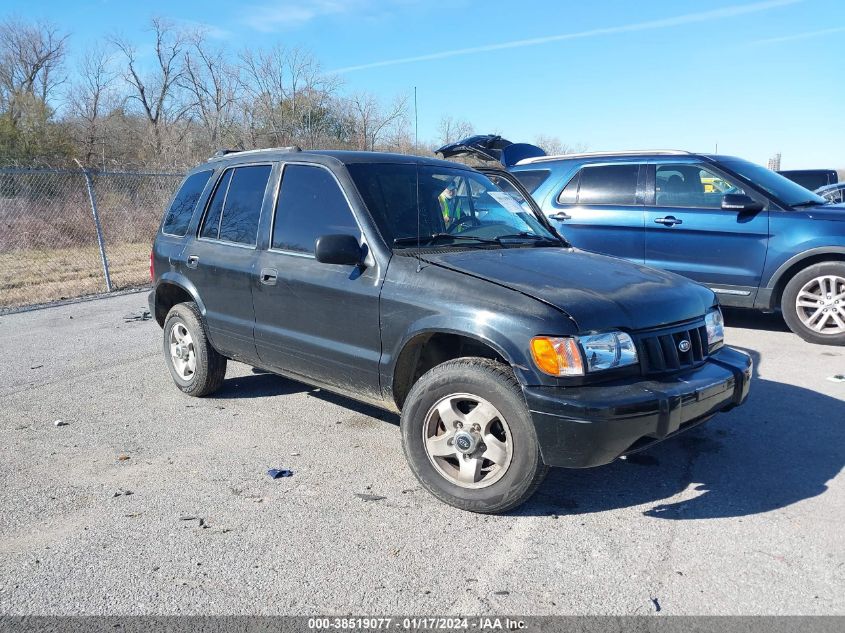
(539, 239)
(808, 203)
(429, 240)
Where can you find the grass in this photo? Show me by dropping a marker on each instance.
(34, 276)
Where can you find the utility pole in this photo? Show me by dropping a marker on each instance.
(416, 124)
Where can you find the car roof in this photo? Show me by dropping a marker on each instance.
(833, 187)
(345, 157)
(538, 162)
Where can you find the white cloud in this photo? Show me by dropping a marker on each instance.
(681, 20)
(292, 13)
(800, 36)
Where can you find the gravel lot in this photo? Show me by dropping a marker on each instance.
(742, 516)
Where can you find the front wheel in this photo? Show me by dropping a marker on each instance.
(813, 303)
(469, 438)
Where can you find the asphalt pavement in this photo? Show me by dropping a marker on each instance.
(145, 501)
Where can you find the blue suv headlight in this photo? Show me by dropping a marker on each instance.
(715, 323)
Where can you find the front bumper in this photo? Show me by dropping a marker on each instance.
(593, 425)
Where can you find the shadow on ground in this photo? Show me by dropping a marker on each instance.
(782, 446)
(754, 320)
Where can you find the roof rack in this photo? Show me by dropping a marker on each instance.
(638, 152)
(220, 153)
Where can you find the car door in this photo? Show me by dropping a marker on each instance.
(221, 260)
(312, 319)
(601, 209)
(688, 232)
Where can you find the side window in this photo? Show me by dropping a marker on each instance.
(609, 184)
(569, 195)
(211, 223)
(235, 207)
(689, 185)
(310, 204)
(533, 178)
(182, 209)
(243, 204)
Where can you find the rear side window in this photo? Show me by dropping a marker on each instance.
(310, 204)
(236, 205)
(532, 179)
(182, 210)
(609, 184)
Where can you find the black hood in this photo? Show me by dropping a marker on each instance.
(597, 291)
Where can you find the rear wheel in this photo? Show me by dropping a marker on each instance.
(813, 303)
(195, 366)
(468, 436)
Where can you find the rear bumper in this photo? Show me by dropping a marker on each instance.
(589, 426)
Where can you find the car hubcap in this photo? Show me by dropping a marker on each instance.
(467, 440)
(821, 304)
(182, 353)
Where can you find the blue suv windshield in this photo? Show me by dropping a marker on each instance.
(780, 187)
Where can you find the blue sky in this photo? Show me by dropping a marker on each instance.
(754, 76)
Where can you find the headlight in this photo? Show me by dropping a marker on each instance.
(715, 328)
(576, 355)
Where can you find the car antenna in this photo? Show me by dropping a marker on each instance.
(419, 259)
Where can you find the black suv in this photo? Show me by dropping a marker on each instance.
(422, 287)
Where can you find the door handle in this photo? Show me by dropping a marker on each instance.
(560, 216)
(193, 260)
(269, 276)
(669, 220)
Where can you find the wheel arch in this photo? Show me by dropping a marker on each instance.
(172, 289)
(427, 348)
(796, 264)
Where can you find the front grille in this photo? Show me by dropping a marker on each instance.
(662, 351)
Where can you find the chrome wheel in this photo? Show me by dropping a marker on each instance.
(182, 353)
(467, 440)
(820, 304)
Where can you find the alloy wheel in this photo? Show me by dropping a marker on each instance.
(467, 440)
(820, 304)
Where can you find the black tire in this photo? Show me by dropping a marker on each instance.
(210, 366)
(495, 383)
(791, 311)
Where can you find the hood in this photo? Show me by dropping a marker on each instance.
(597, 291)
(491, 147)
(826, 212)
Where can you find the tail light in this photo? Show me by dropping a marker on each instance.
(152, 268)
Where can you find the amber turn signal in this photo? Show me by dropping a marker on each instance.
(557, 356)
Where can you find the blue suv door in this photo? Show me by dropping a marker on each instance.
(688, 232)
(601, 209)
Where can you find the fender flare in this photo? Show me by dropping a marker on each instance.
(767, 294)
(180, 281)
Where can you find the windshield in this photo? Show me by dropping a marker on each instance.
(780, 187)
(455, 206)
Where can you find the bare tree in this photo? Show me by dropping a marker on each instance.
(553, 146)
(213, 86)
(289, 91)
(91, 99)
(450, 130)
(371, 120)
(155, 91)
(31, 58)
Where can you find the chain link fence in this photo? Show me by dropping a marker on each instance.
(70, 233)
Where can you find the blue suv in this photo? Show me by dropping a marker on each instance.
(756, 238)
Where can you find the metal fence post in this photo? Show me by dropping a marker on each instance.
(100, 242)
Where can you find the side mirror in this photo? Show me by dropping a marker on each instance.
(741, 203)
(338, 249)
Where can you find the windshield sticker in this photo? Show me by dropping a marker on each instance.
(507, 201)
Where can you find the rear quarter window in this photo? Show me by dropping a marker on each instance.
(182, 209)
(532, 179)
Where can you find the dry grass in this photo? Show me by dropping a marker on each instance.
(42, 275)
